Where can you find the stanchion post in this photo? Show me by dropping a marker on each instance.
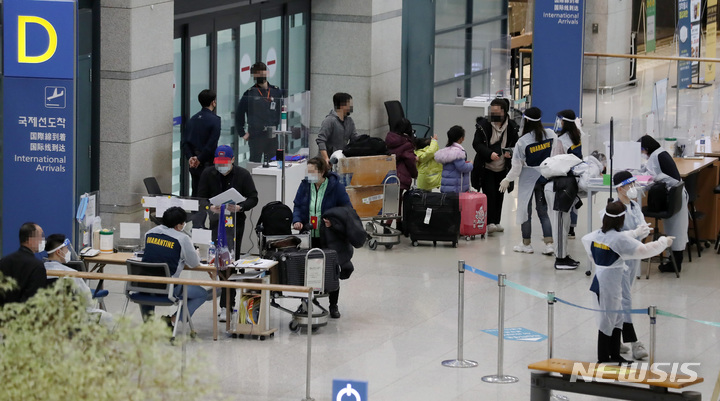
(677, 95)
(460, 362)
(309, 346)
(652, 312)
(500, 377)
(597, 87)
(551, 321)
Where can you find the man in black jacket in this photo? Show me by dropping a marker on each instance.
(215, 181)
(491, 162)
(201, 136)
(22, 265)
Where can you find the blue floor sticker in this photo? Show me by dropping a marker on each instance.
(518, 334)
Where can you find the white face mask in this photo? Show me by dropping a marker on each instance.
(41, 245)
(632, 193)
(222, 168)
(313, 178)
(644, 157)
(68, 256)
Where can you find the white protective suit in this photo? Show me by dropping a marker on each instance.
(633, 219)
(609, 251)
(677, 225)
(527, 157)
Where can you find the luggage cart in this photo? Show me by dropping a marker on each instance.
(320, 315)
(377, 227)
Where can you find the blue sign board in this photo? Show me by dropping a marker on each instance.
(557, 61)
(684, 45)
(38, 117)
(346, 390)
(518, 334)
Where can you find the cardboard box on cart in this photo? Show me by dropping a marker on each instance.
(367, 201)
(365, 170)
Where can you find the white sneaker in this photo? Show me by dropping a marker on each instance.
(499, 228)
(624, 349)
(549, 249)
(522, 248)
(638, 350)
(223, 315)
(491, 228)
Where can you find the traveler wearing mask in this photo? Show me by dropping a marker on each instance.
(534, 145)
(491, 163)
(22, 265)
(610, 248)
(636, 226)
(262, 104)
(661, 166)
(215, 181)
(319, 192)
(338, 128)
(567, 127)
(57, 247)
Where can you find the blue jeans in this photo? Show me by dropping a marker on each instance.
(573, 217)
(196, 297)
(541, 208)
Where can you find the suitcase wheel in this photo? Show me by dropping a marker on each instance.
(415, 243)
(434, 243)
(467, 237)
(294, 327)
(373, 244)
(455, 244)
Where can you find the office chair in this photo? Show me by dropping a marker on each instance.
(395, 113)
(154, 294)
(153, 188)
(691, 187)
(674, 204)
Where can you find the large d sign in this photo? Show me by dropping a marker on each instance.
(23, 20)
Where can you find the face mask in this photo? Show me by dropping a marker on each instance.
(313, 178)
(496, 118)
(260, 80)
(222, 169)
(350, 110)
(632, 193)
(41, 246)
(644, 157)
(68, 256)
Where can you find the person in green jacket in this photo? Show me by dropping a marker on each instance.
(429, 171)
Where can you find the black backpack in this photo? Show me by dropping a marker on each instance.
(275, 219)
(365, 145)
(657, 201)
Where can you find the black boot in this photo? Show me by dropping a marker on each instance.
(603, 347)
(615, 356)
(667, 267)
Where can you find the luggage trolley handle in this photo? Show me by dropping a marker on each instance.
(385, 185)
(313, 283)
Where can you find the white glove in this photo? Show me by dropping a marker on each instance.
(668, 241)
(504, 184)
(642, 231)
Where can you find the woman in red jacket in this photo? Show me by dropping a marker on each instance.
(400, 142)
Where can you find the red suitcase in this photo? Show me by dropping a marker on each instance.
(473, 215)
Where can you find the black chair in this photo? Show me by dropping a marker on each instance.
(396, 113)
(694, 215)
(674, 204)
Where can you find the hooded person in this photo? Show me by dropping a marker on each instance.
(610, 248)
(534, 146)
(636, 226)
(661, 166)
(456, 167)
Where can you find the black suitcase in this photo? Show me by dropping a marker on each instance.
(290, 269)
(444, 224)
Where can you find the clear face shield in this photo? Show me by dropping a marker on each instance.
(558, 124)
(522, 123)
(630, 188)
(68, 245)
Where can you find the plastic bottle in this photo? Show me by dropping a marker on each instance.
(283, 119)
(701, 148)
(211, 253)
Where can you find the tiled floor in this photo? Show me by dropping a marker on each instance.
(400, 318)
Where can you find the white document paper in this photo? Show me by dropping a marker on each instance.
(90, 211)
(130, 230)
(149, 201)
(163, 203)
(315, 273)
(231, 195)
(201, 236)
(191, 205)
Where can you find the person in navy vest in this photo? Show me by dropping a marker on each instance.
(201, 136)
(167, 243)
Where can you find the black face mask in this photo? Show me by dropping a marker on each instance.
(496, 118)
(260, 80)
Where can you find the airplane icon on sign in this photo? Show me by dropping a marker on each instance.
(55, 97)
